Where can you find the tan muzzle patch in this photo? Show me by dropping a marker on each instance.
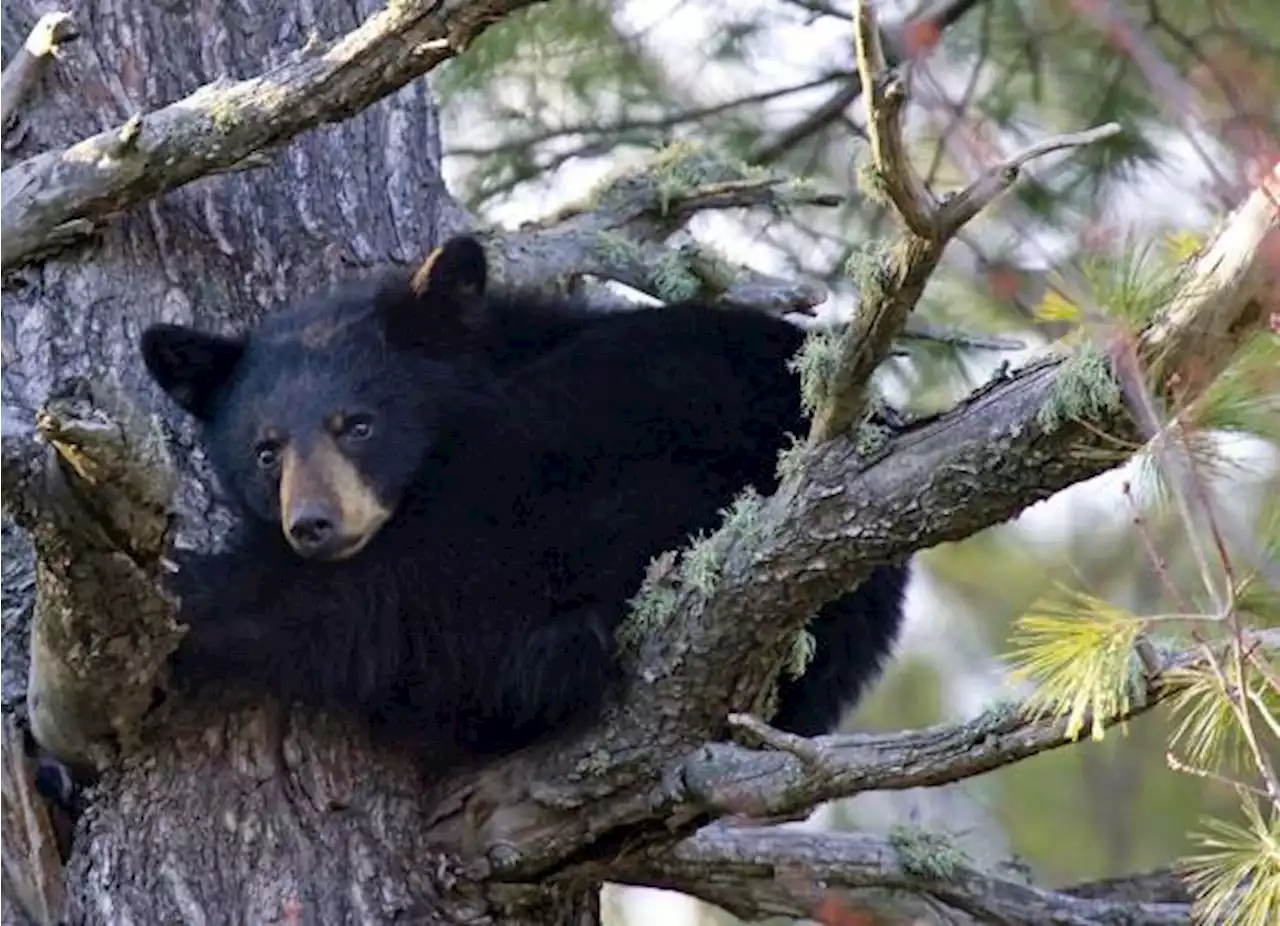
(325, 482)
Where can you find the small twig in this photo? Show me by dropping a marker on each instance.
(962, 207)
(916, 330)
(43, 45)
(745, 193)
(1157, 561)
(807, 750)
(1197, 771)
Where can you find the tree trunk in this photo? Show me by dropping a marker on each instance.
(252, 817)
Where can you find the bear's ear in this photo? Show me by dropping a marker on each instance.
(457, 270)
(189, 365)
(444, 308)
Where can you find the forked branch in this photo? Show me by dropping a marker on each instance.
(891, 288)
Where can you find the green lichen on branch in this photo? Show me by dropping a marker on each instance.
(1085, 388)
(671, 277)
(870, 266)
(698, 569)
(870, 437)
(817, 362)
(674, 173)
(925, 854)
(617, 251)
(802, 649)
(714, 272)
(790, 458)
(870, 182)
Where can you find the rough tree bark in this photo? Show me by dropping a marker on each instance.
(218, 251)
(212, 816)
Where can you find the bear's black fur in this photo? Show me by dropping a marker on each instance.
(449, 496)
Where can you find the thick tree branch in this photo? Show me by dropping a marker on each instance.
(618, 232)
(1160, 886)
(224, 123)
(754, 871)
(49, 33)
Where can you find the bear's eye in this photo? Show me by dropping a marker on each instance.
(357, 427)
(268, 453)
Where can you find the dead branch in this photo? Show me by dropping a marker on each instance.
(794, 774)
(51, 31)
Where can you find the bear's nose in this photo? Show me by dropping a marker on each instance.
(312, 528)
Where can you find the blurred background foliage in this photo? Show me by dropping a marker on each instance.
(545, 104)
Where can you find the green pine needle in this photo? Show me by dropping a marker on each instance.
(1079, 649)
(1134, 283)
(1237, 880)
(1208, 733)
(1246, 396)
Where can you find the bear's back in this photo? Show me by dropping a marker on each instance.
(610, 449)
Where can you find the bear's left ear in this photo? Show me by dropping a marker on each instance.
(444, 308)
(457, 270)
(189, 365)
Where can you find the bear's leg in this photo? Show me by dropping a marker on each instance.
(854, 635)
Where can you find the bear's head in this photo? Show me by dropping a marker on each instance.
(320, 417)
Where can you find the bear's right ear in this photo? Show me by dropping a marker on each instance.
(445, 305)
(189, 365)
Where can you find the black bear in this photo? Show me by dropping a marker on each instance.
(448, 497)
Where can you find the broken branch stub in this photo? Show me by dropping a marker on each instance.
(92, 483)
